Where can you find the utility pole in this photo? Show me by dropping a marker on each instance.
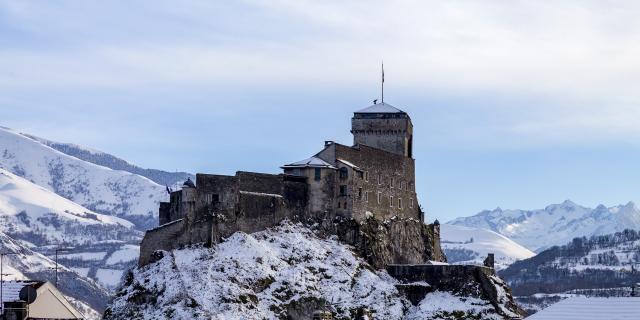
(2, 254)
(60, 250)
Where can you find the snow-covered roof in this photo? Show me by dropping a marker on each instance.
(11, 289)
(314, 162)
(380, 108)
(582, 308)
(349, 164)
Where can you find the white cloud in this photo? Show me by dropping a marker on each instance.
(582, 51)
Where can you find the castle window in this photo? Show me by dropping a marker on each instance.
(379, 178)
(366, 176)
(366, 196)
(296, 172)
(339, 204)
(399, 203)
(393, 181)
(359, 193)
(379, 197)
(344, 173)
(401, 185)
(411, 203)
(391, 201)
(343, 190)
(211, 198)
(317, 174)
(360, 174)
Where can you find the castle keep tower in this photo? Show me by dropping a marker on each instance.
(383, 127)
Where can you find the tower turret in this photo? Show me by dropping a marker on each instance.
(384, 127)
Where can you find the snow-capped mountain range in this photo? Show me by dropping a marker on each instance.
(466, 245)
(556, 224)
(104, 159)
(100, 189)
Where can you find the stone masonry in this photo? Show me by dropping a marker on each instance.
(351, 191)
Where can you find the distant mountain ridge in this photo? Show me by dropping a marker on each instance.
(556, 224)
(598, 262)
(98, 188)
(104, 159)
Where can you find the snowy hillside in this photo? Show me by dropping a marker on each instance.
(98, 188)
(465, 245)
(24, 264)
(38, 216)
(106, 160)
(287, 270)
(103, 246)
(608, 261)
(556, 224)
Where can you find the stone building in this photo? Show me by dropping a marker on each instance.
(341, 189)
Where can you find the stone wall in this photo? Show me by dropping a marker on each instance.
(165, 237)
(390, 175)
(463, 280)
(392, 133)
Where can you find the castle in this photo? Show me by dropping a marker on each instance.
(351, 191)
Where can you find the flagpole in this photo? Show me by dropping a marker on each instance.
(383, 82)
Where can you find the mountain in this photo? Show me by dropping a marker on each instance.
(40, 217)
(556, 224)
(466, 245)
(103, 246)
(286, 271)
(24, 264)
(104, 159)
(607, 261)
(100, 189)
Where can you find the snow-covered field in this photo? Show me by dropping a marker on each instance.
(556, 224)
(268, 274)
(466, 245)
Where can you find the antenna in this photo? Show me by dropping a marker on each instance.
(382, 81)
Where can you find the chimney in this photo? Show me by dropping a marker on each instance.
(489, 262)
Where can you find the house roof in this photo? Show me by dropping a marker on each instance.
(11, 289)
(349, 164)
(314, 162)
(581, 308)
(380, 108)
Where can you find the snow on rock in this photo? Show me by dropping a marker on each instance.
(268, 275)
(444, 305)
(556, 224)
(113, 192)
(466, 245)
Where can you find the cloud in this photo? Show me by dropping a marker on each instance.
(576, 59)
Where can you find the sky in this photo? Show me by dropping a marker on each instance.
(515, 104)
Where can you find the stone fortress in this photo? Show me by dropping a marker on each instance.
(364, 194)
(343, 189)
